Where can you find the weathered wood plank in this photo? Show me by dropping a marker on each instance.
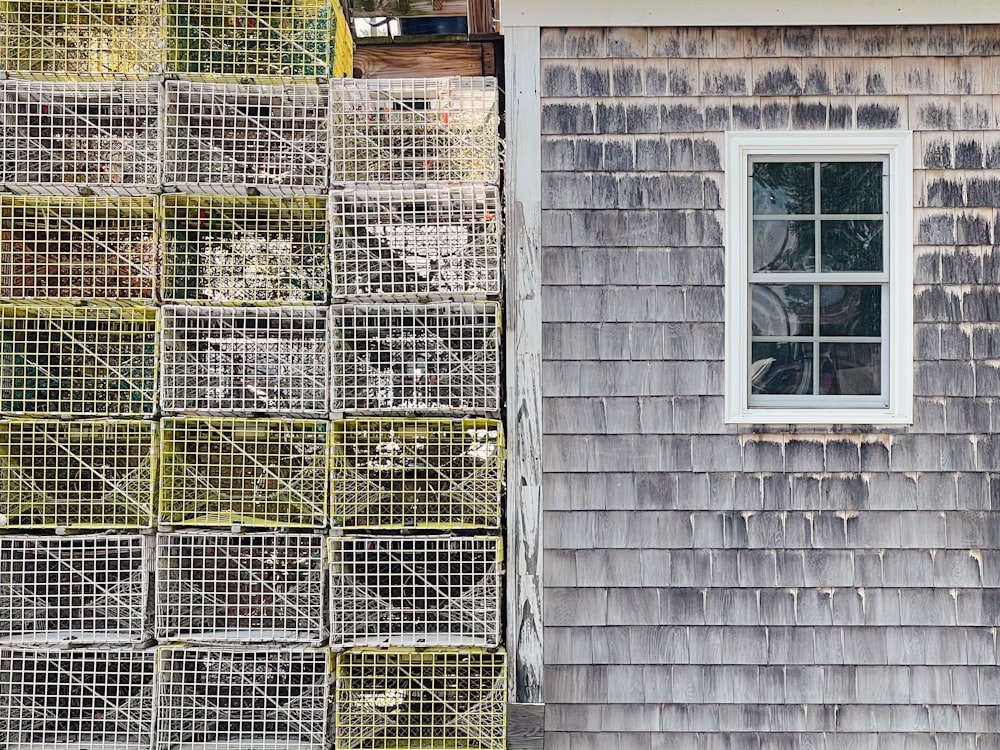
(402, 8)
(525, 726)
(480, 14)
(423, 60)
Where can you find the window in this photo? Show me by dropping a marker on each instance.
(819, 278)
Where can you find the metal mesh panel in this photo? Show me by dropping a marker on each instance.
(415, 130)
(404, 699)
(87, 698)
(415, 591)
(262, 472)
(83, 474)
(221, 698)
(409, 243)
(417, 358)
(214, 587)
(76, 589)
(77, 247)
(235, 249)
(61, 137)
(392, 473)
(72, 359)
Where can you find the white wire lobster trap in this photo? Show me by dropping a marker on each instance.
(78, 698)
(412, 358)
(245, 249)
(78, 359)
(240, 137)
(258, 472)
(214, 587)
(409, 243)
(413, 473)
(415, 591)
(73, 590)
(420, 130)
(76, 474)
(84, 136)
(95, 247)
(407, 699)
(246, 699)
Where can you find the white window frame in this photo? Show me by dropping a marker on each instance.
(897, 148)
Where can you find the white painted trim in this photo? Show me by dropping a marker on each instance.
(898, 146)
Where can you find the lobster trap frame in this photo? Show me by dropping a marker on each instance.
(258, 472)
(72, 590)
(219, 587)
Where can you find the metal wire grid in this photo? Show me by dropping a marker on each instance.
(442, 357)
(259, 472)
(415, 130)
(409, 243)
(409, 473)
(234, 137)
(415, 591)
(79, 474)
(75, 589)
(61, 137)
(94, 359)
(247, 698)
(54, 247)
(407, 699)
(245, 360)
(79, 697)
(245, 249)
(217, 587)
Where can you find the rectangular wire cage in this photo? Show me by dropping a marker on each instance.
(410, 473)
(245, 249)
(83, 698)
(415, 591)
(237, 137)
(80, 474)
(73, 590)
(219, 587)
(259, 472)
(83, 136)
(80, 37)
(406, 699)
(408, 243)
(251, 698)
(228, 37)
(411, 358)
(245, 360)
(95, 247)
(93, 359)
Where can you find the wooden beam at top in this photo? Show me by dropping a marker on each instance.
(403, 8)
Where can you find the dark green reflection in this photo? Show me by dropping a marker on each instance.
(782, 309)
(783, 188)
(850, 369)
(854, 245)
(781, 368)
(851, 187)
(850, 311)
(784, 245)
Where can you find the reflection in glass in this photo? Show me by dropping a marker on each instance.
(854, 245)
(851, 187)
(784, 245)
(850, 311)
(781, 368)
(850, 369)
(781, 309)
(783, 188)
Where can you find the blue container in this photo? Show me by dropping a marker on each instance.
(425, 25)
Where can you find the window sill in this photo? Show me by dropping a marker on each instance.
(866, 417)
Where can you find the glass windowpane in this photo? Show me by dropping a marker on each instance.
(851, 187)
(850, 369)
(783, 188)
(850, 310)
(788, 246)
(782, 309)
(781, 368)
(854, 245)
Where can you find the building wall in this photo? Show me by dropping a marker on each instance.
(712, 586)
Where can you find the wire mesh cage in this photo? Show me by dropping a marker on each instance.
(212, 698)
(80, 37)
(416, 243)
(259, 472)
(408, 473)
(245, 249)
(245, 360)
(80, 474)
(242, 136)
(83, 136)
(218, 587)
(415, 591)
(442, 357)
(73, 590)
(93, 359)
(95, 247)
(407, 699)
(228, 37)
(85, 698)
(438, 129)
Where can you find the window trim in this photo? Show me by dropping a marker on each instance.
(897, 147)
